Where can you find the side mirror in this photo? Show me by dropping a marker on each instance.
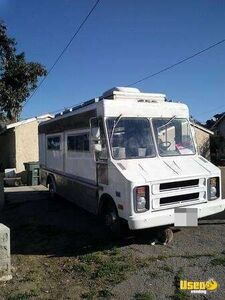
(98, 147)
(94, 129)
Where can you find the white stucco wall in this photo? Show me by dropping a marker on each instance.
(26, 136)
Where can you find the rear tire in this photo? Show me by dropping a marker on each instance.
(52, 188)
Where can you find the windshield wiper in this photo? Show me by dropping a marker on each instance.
(165, 125)
(116, 121)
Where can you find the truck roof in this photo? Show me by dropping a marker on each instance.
(128, 101)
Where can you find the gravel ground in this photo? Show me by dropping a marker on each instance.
(61, 252)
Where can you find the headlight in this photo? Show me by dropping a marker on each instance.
(213, 188)
(142, 198)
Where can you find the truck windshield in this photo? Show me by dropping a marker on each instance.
(130, 138)
(173, 137)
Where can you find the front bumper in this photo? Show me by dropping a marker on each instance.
(166, 217)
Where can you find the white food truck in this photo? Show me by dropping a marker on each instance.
(129, 155)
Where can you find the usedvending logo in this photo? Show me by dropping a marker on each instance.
(199, 287)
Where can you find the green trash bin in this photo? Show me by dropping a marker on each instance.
(32, 169)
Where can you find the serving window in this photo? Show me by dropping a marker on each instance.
(78, 142)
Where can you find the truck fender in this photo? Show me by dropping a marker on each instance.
(105, 198)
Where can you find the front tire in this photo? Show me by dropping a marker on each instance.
(111, 219)
(165, 235)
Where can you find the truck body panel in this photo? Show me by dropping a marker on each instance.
(174, 175)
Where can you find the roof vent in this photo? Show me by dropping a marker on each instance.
(67, 110)
(59, 114)
(121, 93)
(124, 90)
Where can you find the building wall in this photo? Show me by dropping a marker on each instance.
(7, 149)
(218, 144)
(203, 142)
(26, 136)
(2, 196)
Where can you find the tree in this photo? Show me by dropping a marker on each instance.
(211, 122)
(18, 78)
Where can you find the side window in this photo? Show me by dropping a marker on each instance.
(78, 142)
(54, 143)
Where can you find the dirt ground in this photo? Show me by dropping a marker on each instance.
(61, 252)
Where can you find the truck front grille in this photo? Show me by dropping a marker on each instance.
(179, 198)
(178, 184)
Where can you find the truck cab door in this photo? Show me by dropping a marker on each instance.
(100, 150)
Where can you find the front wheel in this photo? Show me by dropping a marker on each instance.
(111, 219)
(165, 235)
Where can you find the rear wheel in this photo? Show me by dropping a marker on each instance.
(111, 219)
(52, 188)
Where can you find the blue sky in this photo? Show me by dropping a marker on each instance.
(122, 42)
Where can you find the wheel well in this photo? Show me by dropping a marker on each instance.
(104, 200)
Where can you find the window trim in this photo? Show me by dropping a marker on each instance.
(54, 136)
(137, 157)
(75, 135)
(156, 144)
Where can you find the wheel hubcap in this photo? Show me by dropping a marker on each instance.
(110, 219)
(51, 189)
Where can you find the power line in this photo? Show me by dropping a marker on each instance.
(177, 63)
(131, 84)
(70, 106)
(64, 50)
(211, 110)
